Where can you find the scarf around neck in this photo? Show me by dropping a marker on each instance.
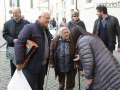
(75, 22)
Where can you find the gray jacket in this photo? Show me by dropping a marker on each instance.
(98, 63)
(113, 29)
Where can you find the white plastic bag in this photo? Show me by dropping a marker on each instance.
(18, 82)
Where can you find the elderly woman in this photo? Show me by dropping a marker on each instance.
(102, 70)
(61, 56)
(76, 21)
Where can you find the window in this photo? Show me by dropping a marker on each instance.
(10, 3)
(72, 10)
(14, 3)
(88, 1)
(52, 9)
(64, 14)
(89, 4)
(31, 3)
(64, 5)
(56, 6)
(72, 2)
(18, 3)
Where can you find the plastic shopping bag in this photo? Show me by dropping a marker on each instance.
(18, 82)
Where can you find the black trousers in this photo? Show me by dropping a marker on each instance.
(13, 67)
(111, 50)
(36, 81)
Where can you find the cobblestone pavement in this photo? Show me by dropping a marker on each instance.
(52, 83)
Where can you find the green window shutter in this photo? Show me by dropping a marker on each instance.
(18, 3)
(31, 3)
(10, 2)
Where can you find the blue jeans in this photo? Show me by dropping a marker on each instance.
(81, 67)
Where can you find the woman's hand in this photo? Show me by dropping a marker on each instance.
(76, 66)
(89, 81)
(77, 58)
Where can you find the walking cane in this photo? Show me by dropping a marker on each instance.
(47, 77)
(79, 78)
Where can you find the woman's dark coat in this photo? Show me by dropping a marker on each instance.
(53, 55)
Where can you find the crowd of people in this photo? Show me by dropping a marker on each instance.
(73, 48)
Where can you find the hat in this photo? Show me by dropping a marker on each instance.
(63, 18)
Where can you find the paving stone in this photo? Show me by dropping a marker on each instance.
(52, 84)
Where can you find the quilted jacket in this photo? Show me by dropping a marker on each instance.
(98, 63)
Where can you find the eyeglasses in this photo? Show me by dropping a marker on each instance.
(46, 17)
(76, 16)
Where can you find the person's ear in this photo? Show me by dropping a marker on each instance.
(102, 12)
(39, 17)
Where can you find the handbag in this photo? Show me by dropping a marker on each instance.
(10, 53)
(30, 48)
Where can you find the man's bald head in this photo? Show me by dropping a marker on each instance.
(16, 13)
(16, 8)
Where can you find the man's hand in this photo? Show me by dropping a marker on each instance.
(77, 58)
(118, 50)
(76, 66)
(50, 65)
(20, 66)
(89, 81)
(15, 40)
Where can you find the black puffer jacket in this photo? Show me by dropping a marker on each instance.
(98, 63)
(113, 29)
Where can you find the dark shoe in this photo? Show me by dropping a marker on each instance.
(60, 88)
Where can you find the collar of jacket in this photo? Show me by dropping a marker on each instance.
(105, 18)
(41, 28)
(19, 21)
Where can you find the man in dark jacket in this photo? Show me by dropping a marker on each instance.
(11, 30)
(107, 27)
(53, 22)
(36, 68)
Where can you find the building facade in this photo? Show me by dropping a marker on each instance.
(86, 8)
(29, 8)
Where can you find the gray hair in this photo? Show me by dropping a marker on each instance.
(42, 12)
(61, 31)
(16, 8)
(75, 13)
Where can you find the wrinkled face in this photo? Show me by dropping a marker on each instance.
(44, 20)
(75, 17)
(99, 14)
(65, 34)
(16, 14)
